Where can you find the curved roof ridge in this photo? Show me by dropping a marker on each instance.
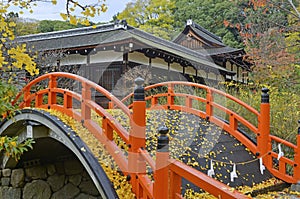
(67, 33)
(195, 25)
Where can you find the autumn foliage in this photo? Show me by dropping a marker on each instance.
(271, 37)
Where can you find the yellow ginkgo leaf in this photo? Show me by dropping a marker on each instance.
(64, 16)
(73, 20)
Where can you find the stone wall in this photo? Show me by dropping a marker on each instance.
(62, 180)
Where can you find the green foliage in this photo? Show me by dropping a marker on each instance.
(26, 27)
(211, 15)
(7, 93)
(285, 109)
(12, 148)
(293, 45)
(54, 25)
(153, 16)
(270, 32)
(23, 26)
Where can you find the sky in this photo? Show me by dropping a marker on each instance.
(48, 11)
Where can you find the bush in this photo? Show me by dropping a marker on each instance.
(285, 109)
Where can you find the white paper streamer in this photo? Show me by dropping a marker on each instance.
(211, 171)
(261, 166)
(233, 173)
(280, 153)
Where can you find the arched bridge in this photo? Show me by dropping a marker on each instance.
(151, 168)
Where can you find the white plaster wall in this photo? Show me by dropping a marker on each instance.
(212, 76)
(201, 73)
(160, 63)
(139, 58)
(176, 67)
(74, 59)
(190, 70)
(228, 65)
(106, 56)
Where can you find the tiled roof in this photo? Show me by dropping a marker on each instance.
(108, 33)
(202, 32)
(217, 51)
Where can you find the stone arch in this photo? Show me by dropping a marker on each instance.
(40, 125)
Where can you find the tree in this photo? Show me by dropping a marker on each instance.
(293, 43)
(23, 26)
(55, 25)
(26, 27)
(269, 31)
(153, 16)
(14, 57)
(210, 14)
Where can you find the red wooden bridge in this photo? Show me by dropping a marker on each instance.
(168, 172)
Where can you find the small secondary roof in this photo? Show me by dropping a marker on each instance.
(115, 33)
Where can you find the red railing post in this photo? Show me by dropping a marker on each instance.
(161, 173)
(51, 94)
(136, 164)
(188, 102)
(68, 101)
(86, 94)
(110, 105)
(175, 185)
(297, 157)
(108, 130)
(209, 101)
(26, 95)
(38, 100)
(263, 136)
(170, 98)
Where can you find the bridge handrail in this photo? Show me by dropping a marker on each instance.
(179, 170)
(210, 104)
(191, 84)
(109, 123)
(134, 163)
(263, 147)
(78, 78)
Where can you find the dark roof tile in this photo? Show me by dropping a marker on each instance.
(89, 36)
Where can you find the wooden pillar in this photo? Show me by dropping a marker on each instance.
(57, 68)
(231, 68)
(150, 62)
(88, 71)
(169, 71)
(237, 73)
(125, 63)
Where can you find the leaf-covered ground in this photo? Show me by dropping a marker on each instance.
(193, 141)
(199, 143)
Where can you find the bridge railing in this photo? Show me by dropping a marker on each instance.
(132, 164)
(205, 102)
(80, 106)
(215, 106)
(167, 175)
(133, 161)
